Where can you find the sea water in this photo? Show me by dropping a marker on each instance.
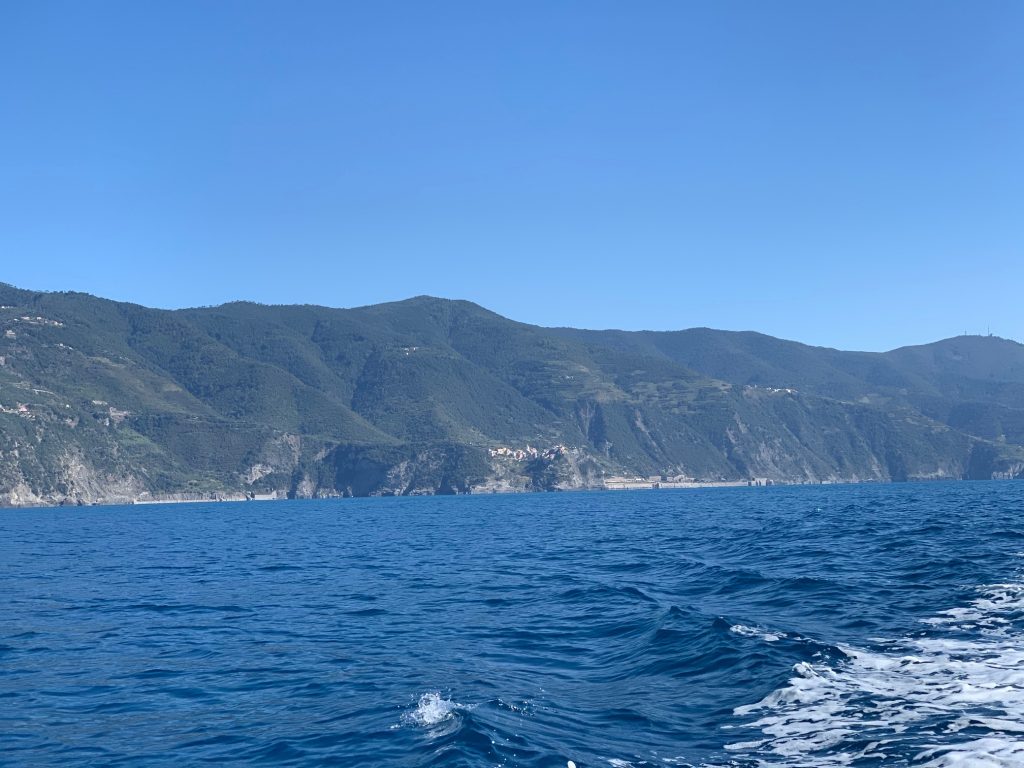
(808, 626)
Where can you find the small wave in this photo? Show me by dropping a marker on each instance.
(984, 753)
(997, 605)
(742, 629)
(915, 698)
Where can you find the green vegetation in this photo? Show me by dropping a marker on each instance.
(106, 401)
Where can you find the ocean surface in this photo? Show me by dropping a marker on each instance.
(816, 626)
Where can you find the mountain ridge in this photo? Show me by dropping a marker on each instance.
(430, 395)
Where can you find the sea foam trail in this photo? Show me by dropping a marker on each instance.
(953, 697)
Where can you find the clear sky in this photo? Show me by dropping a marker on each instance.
(841, 173)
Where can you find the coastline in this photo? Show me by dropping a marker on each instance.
(234, 497)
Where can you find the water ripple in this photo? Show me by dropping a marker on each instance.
(861, 626)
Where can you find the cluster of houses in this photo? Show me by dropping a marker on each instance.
(522, 454)
(773, 390)
(21, 409)
(10, 334)
(40, 321)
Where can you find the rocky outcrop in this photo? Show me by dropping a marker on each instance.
(71, 479)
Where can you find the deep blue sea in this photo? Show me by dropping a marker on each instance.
(808, 626)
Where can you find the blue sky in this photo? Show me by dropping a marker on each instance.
(846, 174)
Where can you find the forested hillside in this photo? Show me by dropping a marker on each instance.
(107, 401)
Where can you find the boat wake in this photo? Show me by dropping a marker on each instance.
(954, 695)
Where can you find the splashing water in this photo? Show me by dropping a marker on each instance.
(432, 710)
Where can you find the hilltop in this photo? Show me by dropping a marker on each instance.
(109, 401)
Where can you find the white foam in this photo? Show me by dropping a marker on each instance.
(992, 608)
(432, 710)
(980, 753)
(768, 637)
(917, 692)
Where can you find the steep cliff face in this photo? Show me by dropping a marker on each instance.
(101, 401)
(48, 468)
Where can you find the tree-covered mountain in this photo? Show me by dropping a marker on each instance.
(101, 400)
